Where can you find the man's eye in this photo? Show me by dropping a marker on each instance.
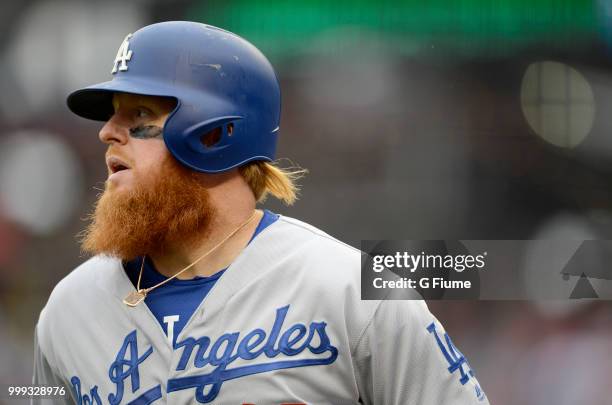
(143, 113)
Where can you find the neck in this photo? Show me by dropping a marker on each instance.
(227, 218)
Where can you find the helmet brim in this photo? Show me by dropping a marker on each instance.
(96, 102)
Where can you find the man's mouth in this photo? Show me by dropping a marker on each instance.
(116, 165)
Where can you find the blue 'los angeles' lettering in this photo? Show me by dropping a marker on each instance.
(219, 354)
(291, 342)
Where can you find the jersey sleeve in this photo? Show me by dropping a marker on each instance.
(404, 356)
(45, 375)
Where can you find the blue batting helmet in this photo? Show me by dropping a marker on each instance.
(219, 80)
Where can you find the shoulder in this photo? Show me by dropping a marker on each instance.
(322, 266)
(323, 259)
(332, 269)
(76, 294)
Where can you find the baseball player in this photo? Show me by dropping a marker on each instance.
(195, 296)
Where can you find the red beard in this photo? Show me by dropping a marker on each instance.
(164, 209)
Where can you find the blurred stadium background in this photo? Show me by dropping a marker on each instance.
(463, 119)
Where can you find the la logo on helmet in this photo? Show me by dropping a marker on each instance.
(124, 54)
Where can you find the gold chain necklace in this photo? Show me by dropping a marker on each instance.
(136, 297)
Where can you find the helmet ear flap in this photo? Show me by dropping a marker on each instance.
(209, 141)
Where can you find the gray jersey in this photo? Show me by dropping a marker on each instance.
(284, 324)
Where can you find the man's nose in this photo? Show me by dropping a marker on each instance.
(114, 131)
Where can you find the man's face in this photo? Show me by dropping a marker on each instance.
(134, 138)
(150, 201)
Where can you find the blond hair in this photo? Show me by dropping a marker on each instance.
(266, 178)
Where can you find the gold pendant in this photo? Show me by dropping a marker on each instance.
(135, 297)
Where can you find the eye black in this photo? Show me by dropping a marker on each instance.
(146, 132)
